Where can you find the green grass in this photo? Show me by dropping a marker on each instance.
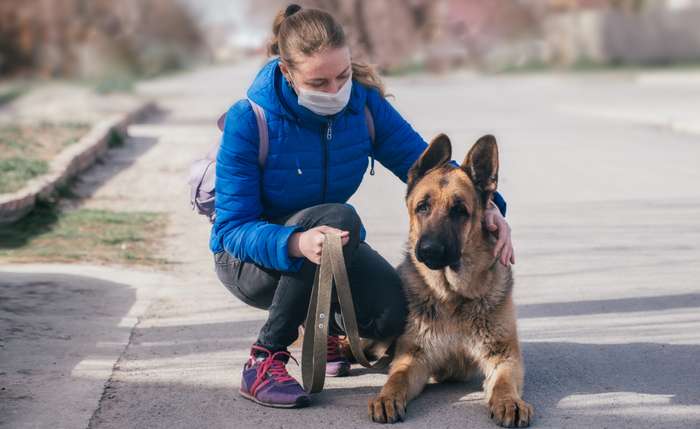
(115, 139)
(588, 66)
(87, 235)
(9, 94)
(116, 83)
(16, 172)
(26, 150)
(406, 69)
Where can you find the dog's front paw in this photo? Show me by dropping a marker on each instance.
(387, 408)
(511, 412)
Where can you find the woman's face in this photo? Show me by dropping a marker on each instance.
(325, 71)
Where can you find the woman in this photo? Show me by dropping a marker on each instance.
(270, 222)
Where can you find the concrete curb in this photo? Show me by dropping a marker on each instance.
(70, 162)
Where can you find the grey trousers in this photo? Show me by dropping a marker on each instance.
(378, 298)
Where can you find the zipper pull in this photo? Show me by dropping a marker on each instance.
(329, 131)
(371, 157)
(299, 172)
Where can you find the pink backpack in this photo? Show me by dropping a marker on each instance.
(203, 171)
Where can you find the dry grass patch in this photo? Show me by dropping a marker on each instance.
(26, 150)
(49, 234)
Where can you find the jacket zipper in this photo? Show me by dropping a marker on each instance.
(326, 141)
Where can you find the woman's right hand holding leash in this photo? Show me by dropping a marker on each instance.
(309, 243)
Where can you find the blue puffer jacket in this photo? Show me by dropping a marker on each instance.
(311, 160)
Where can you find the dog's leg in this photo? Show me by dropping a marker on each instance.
(504, 385)
(407, 377)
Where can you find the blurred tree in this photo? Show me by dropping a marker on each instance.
(89, 38)
(388, 33)
(502, 34)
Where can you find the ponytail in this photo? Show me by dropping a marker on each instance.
(273, 48)
(368, 76)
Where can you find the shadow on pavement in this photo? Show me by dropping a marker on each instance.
(114, 161)
(49, 324)
(51, 318)
(603, 306)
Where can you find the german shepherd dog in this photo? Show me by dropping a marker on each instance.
(461, 313)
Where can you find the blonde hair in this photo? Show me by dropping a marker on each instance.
(297, 31)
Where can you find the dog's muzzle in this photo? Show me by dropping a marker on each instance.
(434, 254)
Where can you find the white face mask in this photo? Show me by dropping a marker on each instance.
(323, 103)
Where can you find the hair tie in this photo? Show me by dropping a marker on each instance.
(291, 10)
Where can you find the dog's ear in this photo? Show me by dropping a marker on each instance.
(438, 152)
(481, 164)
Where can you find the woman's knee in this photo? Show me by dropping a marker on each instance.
(347, 217)
(248, 282)
(337, 215)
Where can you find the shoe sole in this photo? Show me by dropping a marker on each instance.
(342, 373)
(300, 403)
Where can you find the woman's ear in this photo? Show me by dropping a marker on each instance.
(285, 72)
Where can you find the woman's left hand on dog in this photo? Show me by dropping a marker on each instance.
(498, 225)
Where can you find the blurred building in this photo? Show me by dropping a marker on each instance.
(653, 32)
(498, 34)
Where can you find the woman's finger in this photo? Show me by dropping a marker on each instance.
(512, 250)
(329, 229)
(502, 238)
(490, 224)
(504, 255)
(506, 245)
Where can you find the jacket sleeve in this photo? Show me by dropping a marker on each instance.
(238, 205)
(398, 145)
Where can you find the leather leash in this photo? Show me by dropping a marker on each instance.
(314, 347)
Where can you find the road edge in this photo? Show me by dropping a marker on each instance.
(70, 162)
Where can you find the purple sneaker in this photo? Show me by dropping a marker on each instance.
(337, 365)
(266, 381)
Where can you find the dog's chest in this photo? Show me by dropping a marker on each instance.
(451, 329)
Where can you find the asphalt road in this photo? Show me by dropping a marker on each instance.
(601, 173)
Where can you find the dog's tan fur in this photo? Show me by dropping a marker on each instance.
(461, 318)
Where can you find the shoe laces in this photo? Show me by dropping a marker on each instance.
(275, 368)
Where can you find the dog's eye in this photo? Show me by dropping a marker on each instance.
(422, 207)
(459, 211)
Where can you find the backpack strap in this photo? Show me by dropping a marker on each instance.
(370, 127)
(370, 124)
(262, 132)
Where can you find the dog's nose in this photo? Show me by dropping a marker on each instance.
(431, 252)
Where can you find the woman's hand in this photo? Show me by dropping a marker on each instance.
(497, 224)
(310, 242)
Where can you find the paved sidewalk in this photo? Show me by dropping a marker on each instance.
(605, 221)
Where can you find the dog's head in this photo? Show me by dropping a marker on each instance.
(446, 203)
